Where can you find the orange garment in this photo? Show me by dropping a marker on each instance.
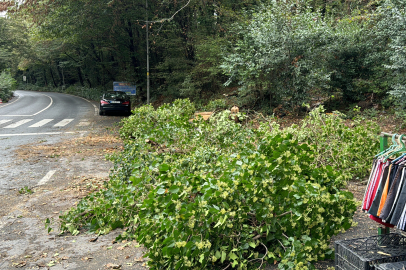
(384, 192)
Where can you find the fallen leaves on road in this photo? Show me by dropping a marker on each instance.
(86, 146)
(94, 239)
(20, 264)
(140, 259)
(87, 258)
(85, 185)
(113, 266)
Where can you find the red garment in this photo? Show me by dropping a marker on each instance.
(380, 221)
(373, 188)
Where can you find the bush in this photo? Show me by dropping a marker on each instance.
(7, 84)
(81, 91)
(264, 203)
(216, 104)
(206, 195)
(348, 148)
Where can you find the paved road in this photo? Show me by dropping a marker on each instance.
(40, 114)
(33, 125)
(33, 118)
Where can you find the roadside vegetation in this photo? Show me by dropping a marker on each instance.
(222, 194)
(212, 194)
(7, 85)
(263, 55)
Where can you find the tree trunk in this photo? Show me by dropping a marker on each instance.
(134, 61)
(80, 76)
(52, 76)
(45, 77)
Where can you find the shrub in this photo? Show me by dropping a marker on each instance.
(207, 195)
(216, 104)
(264, 203)
(348, 148)
(7, 84)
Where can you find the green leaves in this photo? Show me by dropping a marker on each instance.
(163, 167)
(7, 84)
(215, 193)
(161, 191)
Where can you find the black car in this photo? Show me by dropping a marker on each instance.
(115, 101)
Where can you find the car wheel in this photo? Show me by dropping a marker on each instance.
(101, 112)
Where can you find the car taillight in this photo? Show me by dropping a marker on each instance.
(102, 102)
(126, 103)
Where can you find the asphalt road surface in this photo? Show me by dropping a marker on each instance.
(52, 153)
(34, 117)
(33, 114)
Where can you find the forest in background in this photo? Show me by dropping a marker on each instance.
(260, 54)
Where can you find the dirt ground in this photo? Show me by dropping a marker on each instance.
(24, 242)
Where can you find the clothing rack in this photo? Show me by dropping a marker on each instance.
(383, 146)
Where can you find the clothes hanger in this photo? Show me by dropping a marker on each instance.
(401, 148)
(394, 144)
(399, 158)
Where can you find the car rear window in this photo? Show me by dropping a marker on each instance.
(113, 95)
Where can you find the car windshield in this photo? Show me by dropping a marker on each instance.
(115, 95)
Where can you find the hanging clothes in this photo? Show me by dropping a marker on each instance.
(371, 188)
(396, 201)
(386, 210)
(373, 210)
(385, 195)
(386, 187)
(402, 220)
(397, 211)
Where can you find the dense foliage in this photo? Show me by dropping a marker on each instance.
(273, 52)
(7, 84)
(207, 195)
(336, 142)
(391, 27)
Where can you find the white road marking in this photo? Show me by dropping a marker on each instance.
(63, 123)
(4, 121)
(46, 178)
(83, 124)
(44, 133)
(19, 123)
(49, 105)
(41, 123)
(30, 134)
(96, 109)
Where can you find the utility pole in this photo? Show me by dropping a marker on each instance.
(146, 20)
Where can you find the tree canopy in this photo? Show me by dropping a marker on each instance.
(273, 52)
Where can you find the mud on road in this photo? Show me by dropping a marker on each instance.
(77, 166)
